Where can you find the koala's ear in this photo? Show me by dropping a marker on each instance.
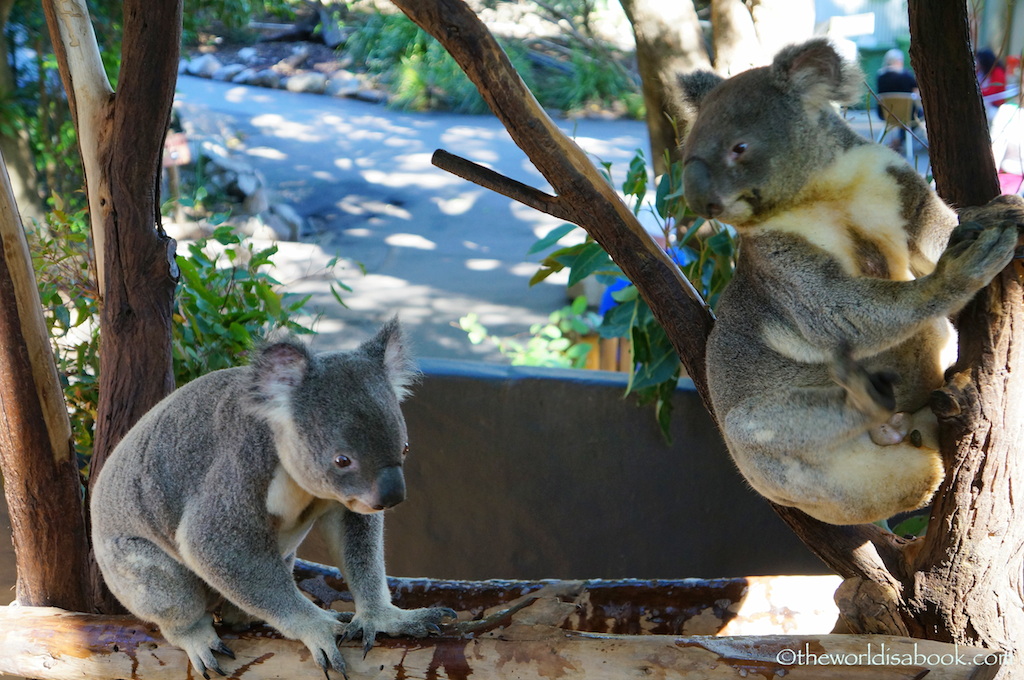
(814, 72)
(695, 86)
(278, 368)
(389, 347)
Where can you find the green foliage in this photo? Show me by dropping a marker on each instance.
(557, 343)
(64, 273)
(423, 76)
(705, 251)
(227, 299)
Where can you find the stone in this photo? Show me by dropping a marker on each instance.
(290, 218)
(342, 84)
(247, 55)
(312, 82)
(246, 76)
(256, 202)
(205, 65)
(267, 78)
(227, 72)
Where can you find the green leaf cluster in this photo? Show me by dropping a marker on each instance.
(705, 250)
(559, 343)
(227, 300)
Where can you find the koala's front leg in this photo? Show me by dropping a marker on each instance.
(357, 543)
(243, 565)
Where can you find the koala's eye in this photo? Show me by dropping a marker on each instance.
(739, 149)
(342, 461)
(405, 450)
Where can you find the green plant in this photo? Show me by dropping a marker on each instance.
(557, 343)
(227, 299)
(704, 250)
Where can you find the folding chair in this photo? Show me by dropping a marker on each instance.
(900, 113)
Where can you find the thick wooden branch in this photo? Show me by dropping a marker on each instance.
(40, 471)
(583, 195)
(498, 183)
(53, 644)
(91, 99)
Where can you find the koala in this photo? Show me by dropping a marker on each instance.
(834, 330)
(207, 498)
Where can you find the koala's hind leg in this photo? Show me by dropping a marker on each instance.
(159, 589)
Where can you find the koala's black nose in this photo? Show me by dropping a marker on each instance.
(390, 487)
(698, 190)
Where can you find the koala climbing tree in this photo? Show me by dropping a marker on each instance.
(934, 587)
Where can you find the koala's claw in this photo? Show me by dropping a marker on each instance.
(222, 648)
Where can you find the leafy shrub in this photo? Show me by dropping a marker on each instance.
(227, 299)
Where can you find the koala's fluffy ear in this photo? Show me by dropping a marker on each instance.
(278, 368)
(389, 347)
(814, 72)
(695, 86)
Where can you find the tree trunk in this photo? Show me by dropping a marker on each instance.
(962, 582)
(737, 47)
(121, 140)
(668, 42)
(36, 452)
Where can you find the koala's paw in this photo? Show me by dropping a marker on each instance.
(976, 254)
(871, 393)
(396, 622)
(201, 648)
(321, 636)
(1000, 211)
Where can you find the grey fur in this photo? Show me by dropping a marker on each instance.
(207, 498)
(829, 337)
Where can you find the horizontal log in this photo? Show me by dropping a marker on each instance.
(753, 605)
(52, 644)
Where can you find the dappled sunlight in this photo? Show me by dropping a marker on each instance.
(405, 179)
(410, 241)
(480, 265)
(459, 205)
(266, 152)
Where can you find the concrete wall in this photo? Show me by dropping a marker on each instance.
(542, 473)
(521, 472)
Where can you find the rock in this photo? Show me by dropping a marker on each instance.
(299, 54)
(267, 78)
(342, 84)
(205, 65)
(256, 202)
(273, 224)
(247, 55)
(310, 81)
(248, 184)
(227, 72)
(372, 95)
(182, 66)
(292, 221)
(246, 76)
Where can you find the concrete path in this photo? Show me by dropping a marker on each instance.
(434, 246)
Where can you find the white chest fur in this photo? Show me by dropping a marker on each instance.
(293, 508)
(854, 207)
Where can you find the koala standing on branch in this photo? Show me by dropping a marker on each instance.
(207, 498)
(833, 332)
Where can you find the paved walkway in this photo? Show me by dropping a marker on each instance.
(434, 246)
